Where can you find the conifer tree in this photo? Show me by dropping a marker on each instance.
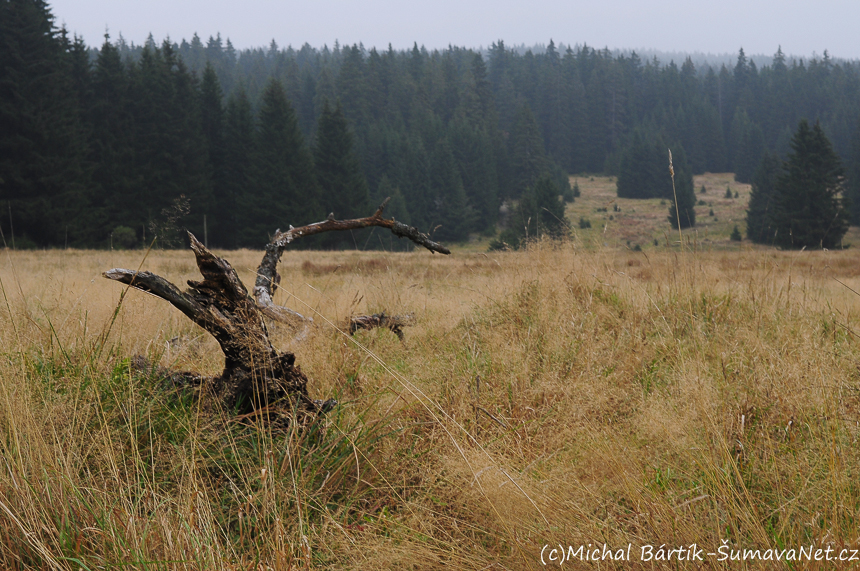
(212, 124)
(343, 188)
(749, 146)
(284, 189)
(810, 209)
(43, 142)
(761, 203)
(111, 150)
(168, 145)
(527, 156)
(238, 153)
(540, 212)
(352, 86)
(484, 94)
(451, 208)
(473, 151)
(642, 168)
(342, 184)
(411, 171)
(548, 208)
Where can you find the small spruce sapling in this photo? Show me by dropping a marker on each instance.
(568, 194)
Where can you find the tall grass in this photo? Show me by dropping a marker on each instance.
(643, 398)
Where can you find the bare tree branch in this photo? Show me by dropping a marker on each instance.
(267, 272)
(159, 287)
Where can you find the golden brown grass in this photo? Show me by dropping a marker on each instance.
(652, 397)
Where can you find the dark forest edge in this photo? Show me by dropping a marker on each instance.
(111, 146)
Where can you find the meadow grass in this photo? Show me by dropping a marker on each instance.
(627, 222)
(654, 397)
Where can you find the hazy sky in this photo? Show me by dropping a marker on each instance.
(709, 26)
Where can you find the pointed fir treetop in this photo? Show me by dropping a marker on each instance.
(810, 209)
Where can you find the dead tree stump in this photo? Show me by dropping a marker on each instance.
(257, 379)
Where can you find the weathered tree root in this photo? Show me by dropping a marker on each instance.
(395, 323)
(255, 375)
(257, 381)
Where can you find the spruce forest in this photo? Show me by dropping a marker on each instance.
(109, 146)
(625, 358)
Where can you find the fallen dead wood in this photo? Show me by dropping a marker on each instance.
(267, 274)
(395, 323)
(255, 375)
(257, 380)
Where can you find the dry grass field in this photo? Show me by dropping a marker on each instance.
(661, 397)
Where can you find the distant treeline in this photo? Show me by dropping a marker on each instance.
(99, 144)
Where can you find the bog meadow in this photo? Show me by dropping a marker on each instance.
(571, 393)
(641, 352)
